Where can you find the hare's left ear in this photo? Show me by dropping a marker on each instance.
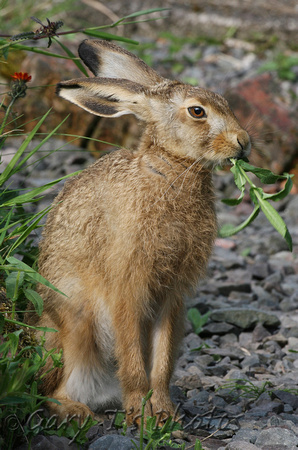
(107, 60)
(106, 97)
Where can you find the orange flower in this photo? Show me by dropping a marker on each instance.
(22, 76)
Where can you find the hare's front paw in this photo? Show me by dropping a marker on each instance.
(163, 408)
(133, 410)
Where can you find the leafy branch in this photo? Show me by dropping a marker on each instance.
(258, 197)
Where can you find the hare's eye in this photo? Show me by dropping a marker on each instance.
(197, 112)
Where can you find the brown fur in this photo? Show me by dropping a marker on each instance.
(130, 236)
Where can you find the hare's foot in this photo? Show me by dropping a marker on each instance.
(133, 408)
(69, 409)
(163, 408)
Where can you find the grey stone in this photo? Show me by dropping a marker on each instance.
(226, 287)
(230, 351)
(245, 339)
(259, 333)
(193, 341)
(273, 281)
(277, 436)
(286, 397)
(189, 382)
(218, 370)
(260, 270)
(41, 442)
(264, 408)
(200, 396)
(217, 328)
(228, 339)
(279, 265)
(289, 304)
(245, 317)
(290, 286)
(240, 445)
(247, 433)
(112, 442)
(250, 361)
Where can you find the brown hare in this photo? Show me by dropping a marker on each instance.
(131, 235)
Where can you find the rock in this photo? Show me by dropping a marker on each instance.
(265, 409)
(247, 434)
(277, 438)
(218, 370)
(290, 287)
(112, 442)
(189, 382)
(217, 328)
(260, 268)
(193, 341)
(286, 397)
(258, 97)
(260, 333)
(240, 445)
(250, 361)
(244, 318)
(41, 442)
(225, 288)
(273, 281)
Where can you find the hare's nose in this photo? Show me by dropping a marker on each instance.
(243, 141)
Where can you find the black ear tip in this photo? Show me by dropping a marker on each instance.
(82, 45)
(58, 89)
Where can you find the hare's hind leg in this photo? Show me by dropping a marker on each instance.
(88, 382)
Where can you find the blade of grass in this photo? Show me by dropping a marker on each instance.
(27, 231)
(48, 136)
(71, 55)
(10, 167)
(29, 196)
(104, 35)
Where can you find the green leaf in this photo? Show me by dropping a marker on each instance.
(240, 179)
(283, 193)
(44, 329)
(14, 341)
(228, 230)
(252, 193)
(233, 201)
(35, 299)
(104, 35)
(12, 283)
(32, 273)
(197, 319)
(265, 175)
(276, 221)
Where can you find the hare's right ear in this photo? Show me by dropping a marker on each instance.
(106, 97)
(107, 60)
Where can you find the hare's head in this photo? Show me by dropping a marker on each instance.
(186, 120)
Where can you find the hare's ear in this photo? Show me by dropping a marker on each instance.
(105, 97)
(107, 60)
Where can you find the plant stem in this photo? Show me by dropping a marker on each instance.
(6, 115)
